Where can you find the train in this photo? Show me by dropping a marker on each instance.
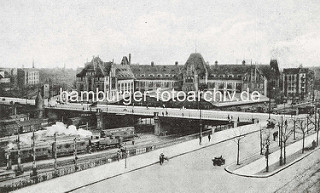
(47, 150)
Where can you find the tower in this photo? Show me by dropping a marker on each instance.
(39, 105)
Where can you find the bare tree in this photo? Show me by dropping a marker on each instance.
(265, 143)
(285, 133)
(302, 125)
(238, 136)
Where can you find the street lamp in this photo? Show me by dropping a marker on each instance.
(200, 120)
(34, 166)
(267, 154)
(273, 88)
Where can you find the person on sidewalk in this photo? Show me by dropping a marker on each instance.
(209, 137)
(118, 155)
(161, 158)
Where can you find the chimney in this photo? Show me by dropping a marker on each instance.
(216, 63)
(243, 62)
(152, 63)
(176, 63)
(129, 58)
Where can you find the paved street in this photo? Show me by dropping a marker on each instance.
(194, 172)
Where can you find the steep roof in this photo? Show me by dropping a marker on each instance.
(96, 65)
(198, 62)
(123, 71)
(156, 71)
(227, 69)
(267, 70)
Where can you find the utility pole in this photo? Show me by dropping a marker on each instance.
(200, 121)
(261, 153)
(316, 128)
(55, 165)
(125, 158)
(281, 128)
(267, 154)
(34, 166)
(75, 154)
(19, 169)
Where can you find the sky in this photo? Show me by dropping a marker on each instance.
(58, 33)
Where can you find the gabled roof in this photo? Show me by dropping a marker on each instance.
(96, 65)
(227, 69)
(198, 62)
(156, 71)
(123, 71)
(124, 61)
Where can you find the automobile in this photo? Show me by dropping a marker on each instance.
(218, 161)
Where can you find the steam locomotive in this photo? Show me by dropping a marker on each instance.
(106, 139)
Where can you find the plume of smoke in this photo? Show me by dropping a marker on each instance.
(61, 129)
(45, 135)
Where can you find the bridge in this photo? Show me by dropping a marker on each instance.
(232, 116)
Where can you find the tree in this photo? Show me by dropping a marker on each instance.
(302, 125)
(285, 133)
(238, 135)
(265, 143)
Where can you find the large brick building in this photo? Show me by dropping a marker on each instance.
(298, 83)
(194, 75)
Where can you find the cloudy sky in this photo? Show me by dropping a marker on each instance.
(54, 33)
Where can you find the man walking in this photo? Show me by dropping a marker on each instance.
(161, 158)
(209, 137)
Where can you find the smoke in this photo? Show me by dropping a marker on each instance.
(61, 129)
(46, 135)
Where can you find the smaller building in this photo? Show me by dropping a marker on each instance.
(27, 76)
(298, 83)
(12, 126)
(4, 79)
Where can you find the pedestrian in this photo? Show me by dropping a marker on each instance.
(161, 158)
(118, 155)
(132, 142)
(209, 137)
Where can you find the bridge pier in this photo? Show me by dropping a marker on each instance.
(157, 124)
(14, 109)
(235, 124)
(100, 120)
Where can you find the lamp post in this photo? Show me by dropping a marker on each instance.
(273, 88)
(34, 166)
(200, 120)
(55, 164)
(75, 154)
(267, 154)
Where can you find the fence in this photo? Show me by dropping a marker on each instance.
(24, 181)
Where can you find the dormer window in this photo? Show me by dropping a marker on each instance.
(159, 75)
(151, 75)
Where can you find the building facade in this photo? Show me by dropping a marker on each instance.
(194, 75)
(27, 77)
(298, 83)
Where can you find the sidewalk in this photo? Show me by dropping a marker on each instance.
(251, 170)
(100, 173)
